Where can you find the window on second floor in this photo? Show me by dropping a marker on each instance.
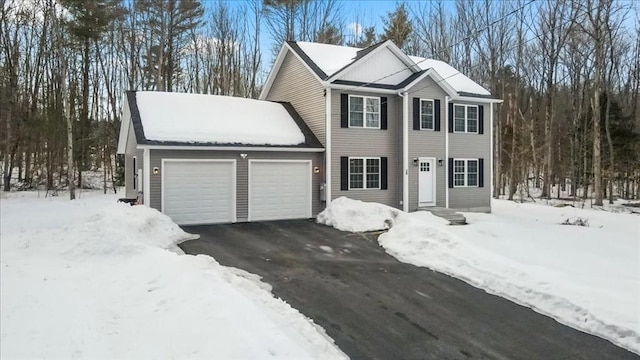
(364, 112)
(465, 118)
(426, 114)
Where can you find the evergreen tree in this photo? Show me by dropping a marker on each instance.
(397, 26)
(329, 34)
(366, 39)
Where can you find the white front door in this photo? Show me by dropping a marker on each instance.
(426, 181)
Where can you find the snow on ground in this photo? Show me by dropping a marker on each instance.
(585, 277)
(215, 119)
(91, 278)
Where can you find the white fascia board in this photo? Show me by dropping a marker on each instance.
(227, 148)
(125, 124)
(476, 99)
(329, 85)
(274, 71)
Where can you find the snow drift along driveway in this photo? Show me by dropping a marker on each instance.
(81, 280)
(585, 277)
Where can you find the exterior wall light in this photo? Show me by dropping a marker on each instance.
(243, 155)
(440, 162)
(156, 170)
(316, 170)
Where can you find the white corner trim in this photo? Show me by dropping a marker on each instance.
(446, 151)
(125, 125)
(328, 152)
(405, 152)
(491, 150)
(147, 178)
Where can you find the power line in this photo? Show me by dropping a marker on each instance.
(475, 33)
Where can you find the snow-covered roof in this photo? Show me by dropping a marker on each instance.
(457, 80)
(329, 58)
(332, 58)
(178, 118)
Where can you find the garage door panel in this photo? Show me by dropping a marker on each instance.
(279, 190)
(199, 192)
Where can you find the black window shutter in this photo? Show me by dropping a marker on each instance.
(383, 173)
(416, 113)
(344, 173)
(480, 172)
(450, 173)
(480, 119)
(344, 110)
(383, 113)
(450, 117)
(135, 174)
(436, 114)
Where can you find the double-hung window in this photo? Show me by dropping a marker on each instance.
(465, 118)
(465, 172)
(364, 173)
(426, 114)
(364, 112)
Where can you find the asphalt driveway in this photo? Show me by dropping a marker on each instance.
(375, 307)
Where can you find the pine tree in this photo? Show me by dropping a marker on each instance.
(397, 26)
(329, 35)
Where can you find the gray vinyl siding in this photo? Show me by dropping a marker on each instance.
(294, 83)
(129, 172)
(358, 142)
(473, 146)
(242, 173)
(427, 143)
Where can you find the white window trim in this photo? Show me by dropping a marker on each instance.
(466, 173)
(433, 114)
(364, 172)
(364, 112)
(466, 119)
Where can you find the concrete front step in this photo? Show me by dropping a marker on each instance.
(453, 217)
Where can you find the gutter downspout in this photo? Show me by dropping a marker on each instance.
(405, 151)
(327, 146)
(446, 150)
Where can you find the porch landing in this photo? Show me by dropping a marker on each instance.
(452, 216)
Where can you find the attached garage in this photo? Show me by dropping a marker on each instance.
(279, 189)
(206, 159)
(199, 191)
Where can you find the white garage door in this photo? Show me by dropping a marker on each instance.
(199, 192)
(279, 190)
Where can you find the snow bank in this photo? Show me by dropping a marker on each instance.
(198, 118)
(357, 216)
(95, 279)
(585, 277)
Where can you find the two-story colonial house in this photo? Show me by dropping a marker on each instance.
(371, 124)
(401, 130)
